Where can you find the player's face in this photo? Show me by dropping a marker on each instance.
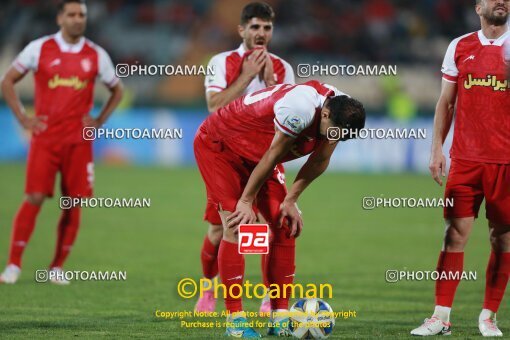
(73, 19)
(256, 32)
(495, 12)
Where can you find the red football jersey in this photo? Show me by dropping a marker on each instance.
(228, 65)
(247, 125)
(482, 122)
(64, 77)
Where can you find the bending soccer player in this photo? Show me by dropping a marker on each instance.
(238, 147)
(247, 69)
(65, 67)
(474, 81)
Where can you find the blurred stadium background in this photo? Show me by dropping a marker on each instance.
(342, 244)
(413, 35)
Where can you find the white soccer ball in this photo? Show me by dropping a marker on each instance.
(311, 319)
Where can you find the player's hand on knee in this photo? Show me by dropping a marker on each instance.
(243, 215)
(289, 211)
(36, 124)
(437, 166)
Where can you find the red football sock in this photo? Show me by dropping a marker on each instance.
(498, 271)
(231, 265)
(66, 234)
(263, 266)
(209, 258)
(281, 266)
(445, 289)
(22, 229)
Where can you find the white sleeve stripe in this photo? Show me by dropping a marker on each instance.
(450, 81)
(19, 67)
(284, 129)
(113, 82)
(215, 87)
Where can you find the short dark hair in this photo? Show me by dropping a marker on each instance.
(259, 10)
(63, 3)
(347, 113)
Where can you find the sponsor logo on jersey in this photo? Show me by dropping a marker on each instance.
(73, 82)
(489, 81)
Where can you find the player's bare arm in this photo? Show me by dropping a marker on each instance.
(280, 146)
(36, 124)
(252, 66)
(116, 93)
(442, 123)
(316, 164)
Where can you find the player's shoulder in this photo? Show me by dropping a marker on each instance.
(283, 61)
(39, 42)
(465, 38)
(320, 88)
(94, 46)
(306, 95)
(223, 56)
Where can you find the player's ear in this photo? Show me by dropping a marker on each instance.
(59, 18)
(478, 8)
(241, 29)
(325, 113)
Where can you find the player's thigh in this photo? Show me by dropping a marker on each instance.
(77, 170)
(211, 214)
(42, 166)
(223, 172)
(270, 198)
(465, 187)
(497, 193)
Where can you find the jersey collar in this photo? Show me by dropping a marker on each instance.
(495, 42)
(66, 47)
(241, 50)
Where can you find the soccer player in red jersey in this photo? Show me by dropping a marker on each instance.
(475, 86)
(247, 69)
(237, 149)
(65, 67)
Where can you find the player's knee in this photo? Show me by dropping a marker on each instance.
(457, 234)
(454, 240)
(35, 198)
(499, 236)
(215, 233)
(280, 236)
(229, 235)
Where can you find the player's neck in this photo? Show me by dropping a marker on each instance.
(69, 39)
(493, 32)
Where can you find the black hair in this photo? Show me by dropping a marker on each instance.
(347, 113)
(63, 3)
(259, 10)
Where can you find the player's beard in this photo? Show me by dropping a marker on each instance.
(493, 19)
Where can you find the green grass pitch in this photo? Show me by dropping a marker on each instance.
(342, 244)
